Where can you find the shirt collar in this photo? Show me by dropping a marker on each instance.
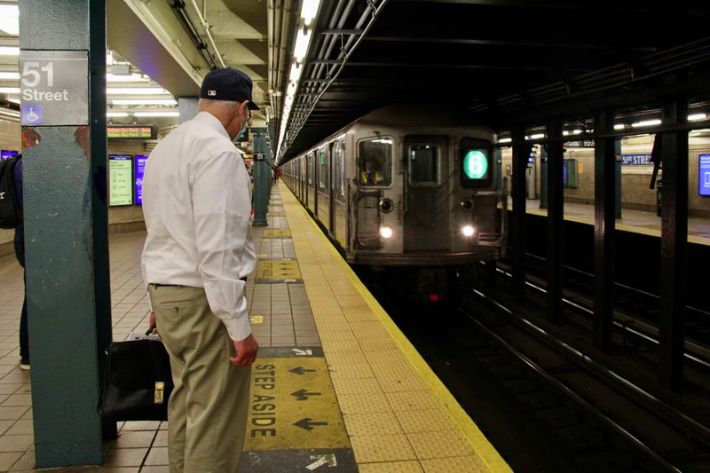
(209, 120)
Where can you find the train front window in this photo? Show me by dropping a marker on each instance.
(475, 163)
(375, 162)
(424, 164)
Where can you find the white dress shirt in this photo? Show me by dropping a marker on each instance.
(197, 208)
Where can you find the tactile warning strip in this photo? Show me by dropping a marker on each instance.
(380, 380)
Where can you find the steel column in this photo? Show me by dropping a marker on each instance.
(674, 245)
(555, 221)
(604, 224)
(262, 177)
(521, 152)
(65, 209)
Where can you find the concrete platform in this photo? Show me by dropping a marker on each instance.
(336, 386)
(634, 221)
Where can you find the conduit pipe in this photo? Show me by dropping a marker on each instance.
(208, 33)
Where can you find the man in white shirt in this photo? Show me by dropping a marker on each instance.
(197, 255)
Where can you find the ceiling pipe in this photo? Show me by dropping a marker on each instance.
(208, 33)
(179, 7)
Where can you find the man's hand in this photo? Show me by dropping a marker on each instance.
(245, 351)
(151, 323)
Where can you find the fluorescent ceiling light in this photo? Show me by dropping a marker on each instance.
(129, 78)
(505, 140)
(619, 126)
(697, 117)
(116, 114)
(646, 123)
(295, 73)
(13, 98)
(9, 75)
(303, 40)
(156, 114)
(309, 10)
(167, 102)
(9, 51)
(9, 90)
(11, 113)
(136, 91)
(10, 19)
(536, 136)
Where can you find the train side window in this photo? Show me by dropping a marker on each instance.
(311, 169)
(476, 165)
(323, 171)
(339, 169)
(424, 164)
(375, 162)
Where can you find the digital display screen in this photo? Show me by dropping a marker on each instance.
(8, 153)
(139, 165)
(129, 132)
(120, 178)
(704, 175)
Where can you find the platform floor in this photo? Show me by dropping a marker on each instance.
(348, 387)
(634, 221)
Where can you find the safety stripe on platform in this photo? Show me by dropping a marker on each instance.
(486, 453)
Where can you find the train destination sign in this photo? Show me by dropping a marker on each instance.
(54, 87)
(475, 164)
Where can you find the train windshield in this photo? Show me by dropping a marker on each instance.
(375, 161)
(424, 164)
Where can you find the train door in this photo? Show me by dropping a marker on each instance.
(426, 212)
(331, 188)
(374, 175)
(339, 211)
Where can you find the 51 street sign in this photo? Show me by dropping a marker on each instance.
(54, 88)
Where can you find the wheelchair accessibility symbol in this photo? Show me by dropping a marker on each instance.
(32, 114)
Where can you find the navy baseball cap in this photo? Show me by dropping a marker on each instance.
(227, 84)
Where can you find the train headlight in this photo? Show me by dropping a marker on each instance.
(386, 232)
(468, 231)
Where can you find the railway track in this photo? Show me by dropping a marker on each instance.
(607, 422)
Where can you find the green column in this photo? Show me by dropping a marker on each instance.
(63, 51)
(262, 177)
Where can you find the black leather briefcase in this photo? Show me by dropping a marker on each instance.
(138, 382)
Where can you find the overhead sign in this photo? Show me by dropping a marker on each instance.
(130, 132)
(54, 88)
(704, 175)
(120, 175)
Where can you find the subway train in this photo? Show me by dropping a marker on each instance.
(405, 186)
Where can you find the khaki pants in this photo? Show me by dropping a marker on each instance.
(207, 411)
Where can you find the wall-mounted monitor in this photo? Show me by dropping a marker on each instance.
(8, 153)
(139, 163)
(120, 179)
(704, 175)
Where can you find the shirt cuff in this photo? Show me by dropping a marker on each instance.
(238, 327)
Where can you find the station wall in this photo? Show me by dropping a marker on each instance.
(635, 179)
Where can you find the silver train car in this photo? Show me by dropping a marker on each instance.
(405, 186)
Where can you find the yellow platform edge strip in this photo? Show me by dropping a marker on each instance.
(479, 443)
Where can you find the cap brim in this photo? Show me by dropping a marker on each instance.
(253, 106)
